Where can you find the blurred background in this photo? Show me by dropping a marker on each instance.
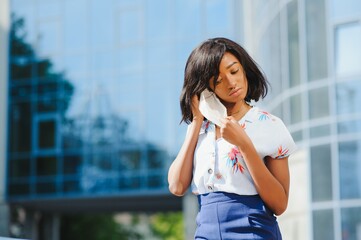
(89, 112)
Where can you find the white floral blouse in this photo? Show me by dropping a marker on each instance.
(219, 166)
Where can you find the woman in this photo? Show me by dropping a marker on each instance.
(238, 168)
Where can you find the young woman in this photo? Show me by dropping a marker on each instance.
(239, 167)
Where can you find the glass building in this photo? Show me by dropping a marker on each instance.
(311, 53)
(93, 89)
(94, 100)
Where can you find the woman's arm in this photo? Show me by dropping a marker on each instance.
(181, 170)
(271, 179)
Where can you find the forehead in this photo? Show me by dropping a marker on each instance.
(228, 58)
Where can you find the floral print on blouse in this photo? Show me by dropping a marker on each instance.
(219, 165)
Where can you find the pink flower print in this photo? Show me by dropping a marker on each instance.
(207, 126)
(232, 160)
(281, 152)
(218, 175)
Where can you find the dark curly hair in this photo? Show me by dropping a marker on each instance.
(203, 65)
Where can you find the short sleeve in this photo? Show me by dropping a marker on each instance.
(282, 144)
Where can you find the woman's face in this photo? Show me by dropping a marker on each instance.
(231, 85)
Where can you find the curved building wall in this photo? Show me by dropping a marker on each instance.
(311, 52)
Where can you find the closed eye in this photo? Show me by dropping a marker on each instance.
(235, 71)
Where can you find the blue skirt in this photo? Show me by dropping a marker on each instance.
(231, 216)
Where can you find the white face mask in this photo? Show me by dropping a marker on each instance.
(211, 107)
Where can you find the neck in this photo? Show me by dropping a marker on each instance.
(237, 109)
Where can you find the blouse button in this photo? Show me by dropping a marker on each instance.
(210, 171)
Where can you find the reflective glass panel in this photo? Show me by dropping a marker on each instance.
(320, 131)
(348, 97)
(351, 223)
(345, 8)
(316, 39)
(296, 108)
(321, 173)
(347, 48)
(130, 26)
(20, 127)
(47, 134)
(319, 103)
(293, 43)
(19, 167)
(350, 169)
(349, 126)
(46, 166)
(323, 224)
(49, 37)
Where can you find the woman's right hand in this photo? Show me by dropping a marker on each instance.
(197, 115)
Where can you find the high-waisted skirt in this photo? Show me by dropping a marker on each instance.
(231, 216)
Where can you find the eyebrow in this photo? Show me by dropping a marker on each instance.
(230, 65)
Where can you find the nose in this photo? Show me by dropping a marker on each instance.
(231, 82)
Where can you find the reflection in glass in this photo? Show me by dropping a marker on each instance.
(345, 8)
(319, 103)
(46, 166)
(19, 189)
(19, 167)
(320, 131)
(296, 108)
(321, 173)
(46, 134)
(323, 224)
(297, 135)
(348, 97)
(349, 127)
(351, 223)
(45, 187)
(316, 39)
(130, 26)
(350, 169)
(220, 23)
(347, 52)
(20, 127)
(293, 43)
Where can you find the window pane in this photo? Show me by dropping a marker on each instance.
(350, 168)
(323, 224)
(351, 223)
(130, 24)
(46, 166)
(49, 37)
(319, 103)
(218, 16)
(321, 173)
(348, 55)
(345, 8)
(349, 126)
(20, 127)
(47, 134)
(348, 97)
(293, 43)
(320, 131)
(19, 168)
(316, 39)
(296, 109)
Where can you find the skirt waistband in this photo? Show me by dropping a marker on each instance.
(251, 201)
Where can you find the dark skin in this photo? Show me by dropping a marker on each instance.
(271, 177)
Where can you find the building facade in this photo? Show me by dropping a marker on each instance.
(311, 53)
(4, 29)
(94, 111)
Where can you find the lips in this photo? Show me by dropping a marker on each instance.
(235, 91)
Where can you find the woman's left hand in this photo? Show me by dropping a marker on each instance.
(232, 131)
